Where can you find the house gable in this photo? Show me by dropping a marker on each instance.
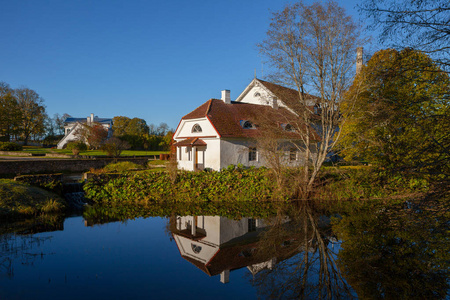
(262, 93)
(198, 127)
(71, 124)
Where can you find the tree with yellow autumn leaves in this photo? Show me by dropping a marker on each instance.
(397, 115)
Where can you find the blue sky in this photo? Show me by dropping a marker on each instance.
(155, 60)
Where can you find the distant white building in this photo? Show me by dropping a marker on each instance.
(72, 124)
(222, 132)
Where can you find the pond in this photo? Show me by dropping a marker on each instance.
(380, 251)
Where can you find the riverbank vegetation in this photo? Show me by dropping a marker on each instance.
(237, 184)
(231, 184)
(19, 200)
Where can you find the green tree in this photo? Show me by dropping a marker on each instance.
(120, 125)
(10, 114)
(398, 114)
(32, 109)
(76, 147)
(167, 140)
(114, 146)
(134, 131)
(137, 126)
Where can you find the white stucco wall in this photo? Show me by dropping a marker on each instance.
(70, 130)
(68, 137)
(235, 151)
(208, 155)
(219, 230)
(265, 97)
(185, 246)
(184, 130)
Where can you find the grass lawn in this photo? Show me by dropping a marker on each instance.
(22, 199)
(37, 150)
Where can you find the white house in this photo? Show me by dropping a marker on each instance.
(222, 132)
(218, 245)
(72, 124)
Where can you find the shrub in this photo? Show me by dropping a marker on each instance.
(52, 205)
(9, 146)
(76, 147)
(114, 146)
(228, 185)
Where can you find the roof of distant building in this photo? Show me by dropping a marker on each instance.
(84, 120)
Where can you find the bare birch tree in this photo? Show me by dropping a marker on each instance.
(312, 49)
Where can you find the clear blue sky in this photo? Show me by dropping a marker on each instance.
(155, 60)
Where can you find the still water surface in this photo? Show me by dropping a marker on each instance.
(132, 260)
(378, 252)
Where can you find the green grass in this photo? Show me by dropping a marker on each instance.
(18, 200)
(157, 162)
(122, 167)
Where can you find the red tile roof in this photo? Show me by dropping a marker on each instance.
(289, 96)
(227, 118)
(190, 142)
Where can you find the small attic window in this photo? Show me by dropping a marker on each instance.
(289, 127)
(247, 124)
(256, 94)
(196, 128)
(196, 248)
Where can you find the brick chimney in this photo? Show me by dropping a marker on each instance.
(359, 59)
(274, 103)
(226, 96)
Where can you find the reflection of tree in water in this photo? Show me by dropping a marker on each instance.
(306, 265)
(17, 241)
(22, 248)
(396, 251)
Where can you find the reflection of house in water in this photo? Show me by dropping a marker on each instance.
(218, 245)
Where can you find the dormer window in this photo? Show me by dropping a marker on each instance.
(196, 128)
(247, 124)
(288, 127)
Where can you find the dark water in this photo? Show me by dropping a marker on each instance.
(378, 252)
(132, 260)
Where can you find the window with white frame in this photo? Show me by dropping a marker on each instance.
(252, 154)
(292, 154)
(196, 128)
(188, 151)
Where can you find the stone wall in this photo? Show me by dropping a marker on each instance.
(18, 167)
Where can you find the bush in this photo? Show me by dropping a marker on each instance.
(114, 146)
(230, 185)
(9, 146)
(76, 147)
